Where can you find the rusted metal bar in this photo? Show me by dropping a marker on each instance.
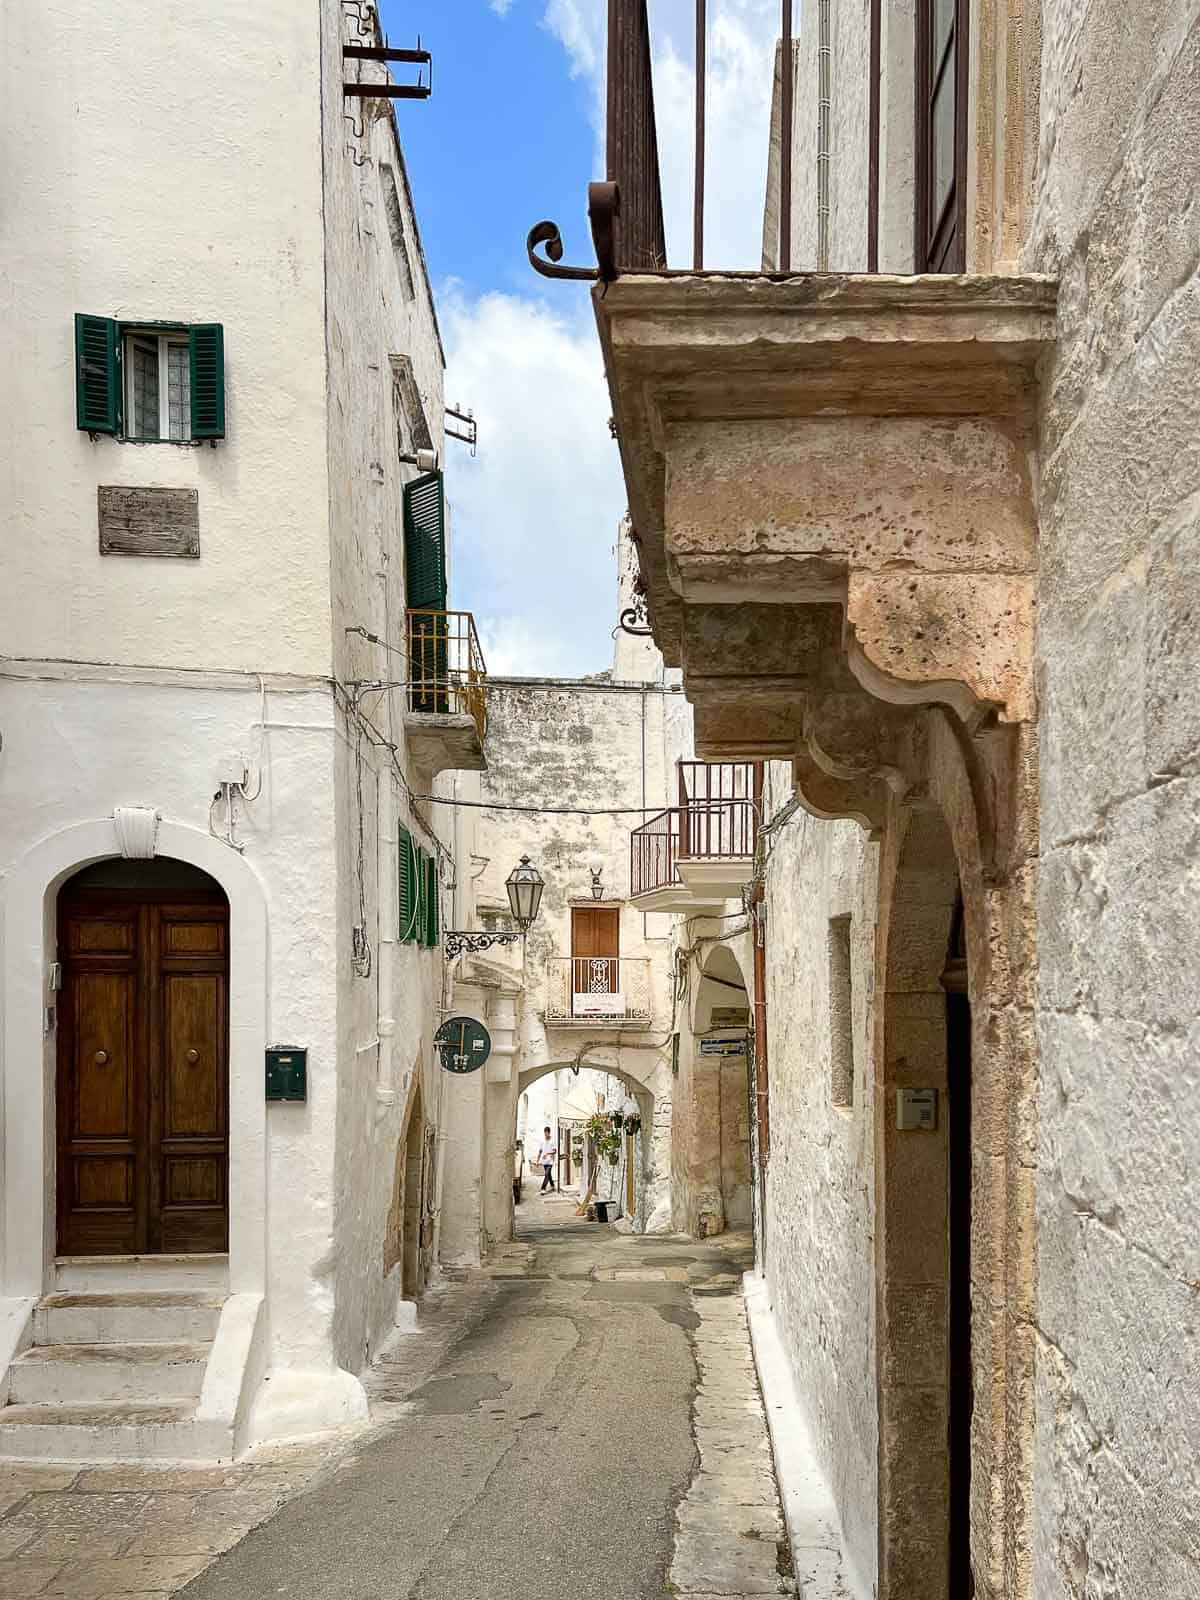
(875, 69)
(384, 52)
(786, 113)
(698, 178)
(387, 91)
(635, 210)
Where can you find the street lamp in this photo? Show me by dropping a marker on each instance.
(597, 886)
(524, 885)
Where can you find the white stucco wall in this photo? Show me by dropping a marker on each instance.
(1118, 1338)
(131, 152)
(377, 315)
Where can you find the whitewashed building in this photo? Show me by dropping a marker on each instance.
(220, 900)
(572, 765)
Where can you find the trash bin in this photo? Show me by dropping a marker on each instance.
(602, 1209)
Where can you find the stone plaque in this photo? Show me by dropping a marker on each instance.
(149, 522)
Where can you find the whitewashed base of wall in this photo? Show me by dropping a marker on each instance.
(821, 1572)
(730, 1538)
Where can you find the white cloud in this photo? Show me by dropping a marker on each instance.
(535, 513)
(741, 52)
(501, 7)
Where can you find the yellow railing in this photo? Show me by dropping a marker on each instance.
(446, 671)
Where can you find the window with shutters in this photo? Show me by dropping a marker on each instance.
(941, 142)
(150, 383)
(410, 889)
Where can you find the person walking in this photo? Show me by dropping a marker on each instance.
(547, 1155)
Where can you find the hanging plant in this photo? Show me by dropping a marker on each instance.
(605, 1137)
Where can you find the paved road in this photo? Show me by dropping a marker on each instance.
(544, 1457)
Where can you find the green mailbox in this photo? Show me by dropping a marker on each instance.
(287, 1073)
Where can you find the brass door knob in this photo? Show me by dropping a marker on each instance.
(193, 1056)
(101, 1057)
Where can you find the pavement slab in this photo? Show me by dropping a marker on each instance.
(579, 1417)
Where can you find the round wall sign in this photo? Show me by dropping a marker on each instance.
(464, 1044)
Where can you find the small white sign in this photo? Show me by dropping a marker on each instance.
(599, 1005)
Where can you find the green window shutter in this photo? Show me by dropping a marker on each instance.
(409, 898)
(206, 364)
(97, 374)
(432, 934)
(425, 543)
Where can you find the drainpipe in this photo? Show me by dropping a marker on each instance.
(824, 103)
(762, 1099)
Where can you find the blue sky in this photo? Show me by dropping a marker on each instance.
(512, 134)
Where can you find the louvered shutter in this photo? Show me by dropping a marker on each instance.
(432, 932)
(409, 897)
(206, 363)
(425, 543)
(97, 374)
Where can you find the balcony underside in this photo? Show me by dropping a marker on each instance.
(675, 897)
(830, 484)
(444, 742)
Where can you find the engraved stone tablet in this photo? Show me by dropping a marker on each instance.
(149, 522)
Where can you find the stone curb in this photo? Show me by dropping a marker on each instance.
(808, 1508)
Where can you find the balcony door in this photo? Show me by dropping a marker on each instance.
(595, 963)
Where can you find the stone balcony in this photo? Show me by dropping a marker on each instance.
(829, 479)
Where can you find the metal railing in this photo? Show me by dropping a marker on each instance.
(598, 989)
(626, 210)
(716, 819)
(446, 671)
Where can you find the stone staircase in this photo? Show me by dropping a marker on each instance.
(117, 1364)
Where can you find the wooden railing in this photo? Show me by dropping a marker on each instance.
(446, 671)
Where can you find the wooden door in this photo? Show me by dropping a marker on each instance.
(595, 948)
(143, 1073)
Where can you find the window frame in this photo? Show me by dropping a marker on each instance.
(939, 242)
(164, 335)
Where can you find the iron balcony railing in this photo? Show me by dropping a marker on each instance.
(598, 989)
(626, 210)
(446, 671)
(716, 819)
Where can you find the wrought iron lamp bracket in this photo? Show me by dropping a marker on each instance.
(463, 943)
(548, 233)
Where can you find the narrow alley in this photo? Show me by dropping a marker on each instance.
(556, 1441)
(591, 1420)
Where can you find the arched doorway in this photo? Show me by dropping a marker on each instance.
(412, 1274)
(720, 1152)
(923, 1261)
(142, 1079)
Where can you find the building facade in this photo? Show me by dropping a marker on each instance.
(913, 510)
(220, 898)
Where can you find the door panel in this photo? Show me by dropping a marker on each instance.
(142, 1074)
(104, 1048)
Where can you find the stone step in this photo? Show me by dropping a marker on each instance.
(90, 1374)
(175, 1315)
(122, 1431)
(117, 1274)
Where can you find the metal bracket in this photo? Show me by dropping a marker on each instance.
(461, 943)
(547, 233)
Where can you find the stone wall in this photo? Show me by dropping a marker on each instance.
(1118, 1337)
(820, 1202)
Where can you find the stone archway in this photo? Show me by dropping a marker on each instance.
(918, 1232)
(712, 1158)
(640, 1091)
